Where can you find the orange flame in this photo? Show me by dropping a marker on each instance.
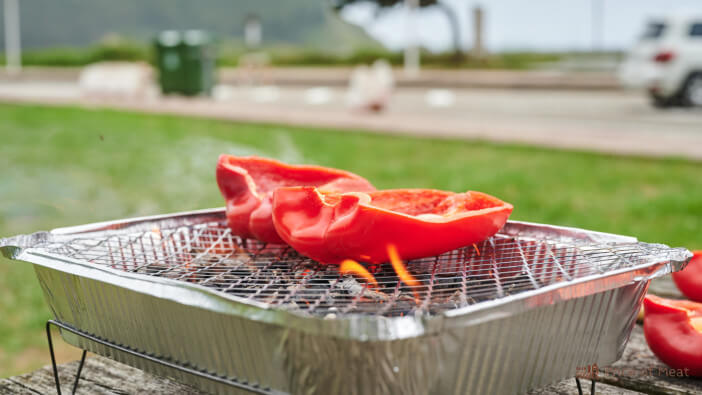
(349, 266)
(477, 251)
(401, 270)
(222, 248)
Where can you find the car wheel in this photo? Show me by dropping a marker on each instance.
(693, 90)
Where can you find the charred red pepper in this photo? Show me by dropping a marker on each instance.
(247, 184)
(673, 330)
(331, 227)
(689, 280)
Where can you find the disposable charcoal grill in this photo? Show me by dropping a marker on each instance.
(182, 296)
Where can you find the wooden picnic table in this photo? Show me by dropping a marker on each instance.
(637, 372)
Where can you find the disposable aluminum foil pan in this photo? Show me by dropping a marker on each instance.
(506, 343)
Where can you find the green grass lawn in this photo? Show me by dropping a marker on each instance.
(67, 166)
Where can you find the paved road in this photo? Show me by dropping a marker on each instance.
(607, 121)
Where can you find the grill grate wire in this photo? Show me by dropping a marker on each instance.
(211, 256)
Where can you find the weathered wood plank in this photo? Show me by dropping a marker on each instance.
(665, 287)
(7, 386)
(100, 376)
(104, 371)
(568, 387)
(640, 370)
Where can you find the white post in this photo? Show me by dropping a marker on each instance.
(478, 50)
(12, 37)
(411, 58)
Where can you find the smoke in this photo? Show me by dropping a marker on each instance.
(55, 198)
(286, 150)
(177, 177)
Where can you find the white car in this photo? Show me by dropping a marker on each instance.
(667, 62)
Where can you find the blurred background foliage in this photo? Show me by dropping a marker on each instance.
(116, 48)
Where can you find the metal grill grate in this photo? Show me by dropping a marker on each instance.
(209, 255)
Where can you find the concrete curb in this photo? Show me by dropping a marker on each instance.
(328, 76)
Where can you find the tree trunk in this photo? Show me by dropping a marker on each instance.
(455, 30)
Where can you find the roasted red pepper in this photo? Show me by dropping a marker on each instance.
(673, 330)
(247, 184)
(689, 280)
(331, 227)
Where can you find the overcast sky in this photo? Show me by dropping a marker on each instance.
(522, 24)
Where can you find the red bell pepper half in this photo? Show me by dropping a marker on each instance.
(247, 184)
(331, 227)
(689, 280)
(673, 330)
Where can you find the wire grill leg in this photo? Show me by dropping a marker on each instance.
(580, 388)
(150, 358)
(53, 358)
(80, 369)
(53, 362)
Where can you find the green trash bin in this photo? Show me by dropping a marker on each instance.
(186, 62)
(171, 72)
(197, 55)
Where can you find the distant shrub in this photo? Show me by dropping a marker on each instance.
(118, 49)
(124, 51)
(73, 57)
